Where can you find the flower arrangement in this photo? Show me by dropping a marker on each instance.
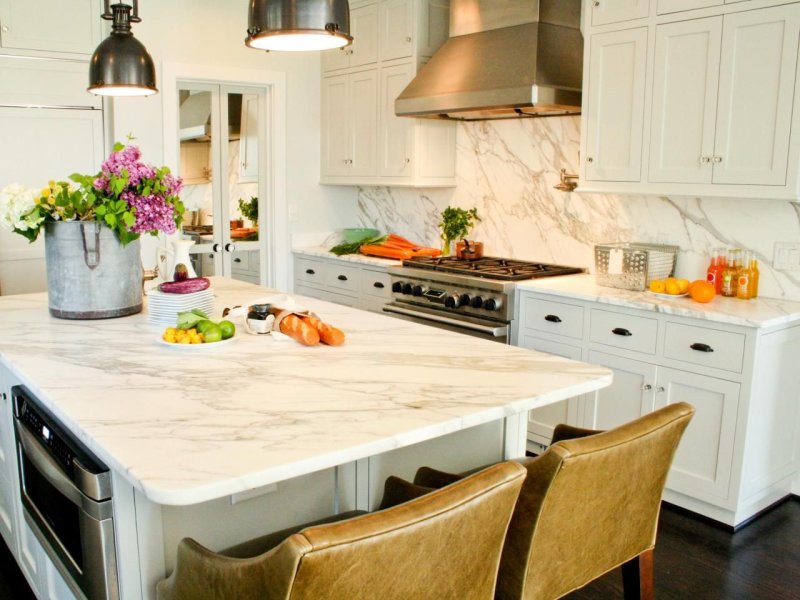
(129, 196)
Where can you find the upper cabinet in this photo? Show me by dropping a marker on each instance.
(694, 106)
(363, 141)
(614, 11)
(50, 26)
(364, 49)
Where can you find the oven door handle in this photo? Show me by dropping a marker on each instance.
(493, 331)
(47, 466)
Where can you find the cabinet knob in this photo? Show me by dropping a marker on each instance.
(342, 278)
(589, 159)
(705, 160)
(717, 159)
(408, 39)
(647, 387)
(5, 28)
(378, 285)
(310, 272)
(229, 247)
(596, 3)
(659, 389)
(216, 247)
(408, 161)
(552, 318)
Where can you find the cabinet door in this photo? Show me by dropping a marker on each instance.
(395, 134)
(613, 11)
(702, 465)
(615, 108)
(685, 101)
(671, 6)
(756, 94)
(542, 421)
(364, 29)
(629, 397)
(396, 19)
(433, 26)
(248, 140)
(335, 125)
(72, 26)
(363, 122)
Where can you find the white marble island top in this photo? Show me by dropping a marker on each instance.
(324, 252)
(186, 426)
(759, 312)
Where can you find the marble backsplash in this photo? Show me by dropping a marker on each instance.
(507, 169)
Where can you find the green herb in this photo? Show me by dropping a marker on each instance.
(249, 209)
(456, 223)
(354, 247)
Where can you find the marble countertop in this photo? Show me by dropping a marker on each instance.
(759, 312)
(186, 426)
(356, 258)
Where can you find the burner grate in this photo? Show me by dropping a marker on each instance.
(488, 267)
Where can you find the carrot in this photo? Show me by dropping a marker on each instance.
(426, 252)
(393, 238)
(382, 251)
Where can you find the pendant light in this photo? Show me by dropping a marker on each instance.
(121, 65)
(298, 25)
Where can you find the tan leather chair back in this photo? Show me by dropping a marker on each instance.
(589, 505)
(446, 544)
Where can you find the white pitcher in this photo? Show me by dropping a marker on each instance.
(167, 258)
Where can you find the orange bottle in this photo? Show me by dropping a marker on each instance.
(729, 276)
(754, 275)
(715, 269)
(744, 281)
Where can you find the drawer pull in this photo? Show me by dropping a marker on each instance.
(342, 278)
(310, 272)
(237, 260)
(552, 318)
(701, 347)
(378, 285)
(621, 331)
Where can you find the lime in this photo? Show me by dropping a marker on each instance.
(228, 329)
(212, 333)
(201, 326)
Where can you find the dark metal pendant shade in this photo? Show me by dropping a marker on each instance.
(121, 65)
(298, 25)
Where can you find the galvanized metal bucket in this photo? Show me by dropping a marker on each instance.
(90, 274)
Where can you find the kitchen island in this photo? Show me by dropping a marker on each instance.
(227, 442)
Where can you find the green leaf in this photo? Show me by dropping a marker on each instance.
(119, 146)
(128, 218)
(111, 220)
(101, 211)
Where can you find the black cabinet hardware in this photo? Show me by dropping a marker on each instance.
(342, 278)
(378, 285)
(701, 347)
(552, 318)
(237, 260)
(310, 272)
(621, 331)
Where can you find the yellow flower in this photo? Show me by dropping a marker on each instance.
(46, 191)
(52, 183)
(51, 200)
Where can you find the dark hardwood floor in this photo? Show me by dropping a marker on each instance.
(694, 560)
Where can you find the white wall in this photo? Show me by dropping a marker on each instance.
(212, 32)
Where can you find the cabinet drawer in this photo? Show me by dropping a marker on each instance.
(310, 271)
(343, 277)
(376, 283)
(552, 317)
(623, 331)
(337, 298)
(707, 347)
(241, 261)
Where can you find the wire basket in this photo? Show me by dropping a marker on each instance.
(633, 266)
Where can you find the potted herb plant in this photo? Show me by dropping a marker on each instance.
(456, 224)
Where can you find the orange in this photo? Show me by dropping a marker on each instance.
(657, 286)
(683, 285)
(702, 291)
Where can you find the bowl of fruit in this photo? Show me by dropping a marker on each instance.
(195, 330)
(669, 288)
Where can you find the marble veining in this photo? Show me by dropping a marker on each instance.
(507, 169)
(322, 251)
(187, 426)
(759, 312)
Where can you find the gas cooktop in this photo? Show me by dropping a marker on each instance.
(504, 269)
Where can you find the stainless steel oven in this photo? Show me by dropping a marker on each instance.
(475, 327)
(66, 500)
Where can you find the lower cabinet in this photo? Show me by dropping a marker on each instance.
(740, 451)
(343, 282)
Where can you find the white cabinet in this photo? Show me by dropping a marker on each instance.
(707, 111)
(364, 49)
(349, 123)
(756, 92)
(614, 116)
(363, 141)
(50, 26)
(195, 162)
(685, 101)
(344, 282)
(740, 452)
(613, 11)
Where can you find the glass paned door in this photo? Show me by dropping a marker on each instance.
(223, 170)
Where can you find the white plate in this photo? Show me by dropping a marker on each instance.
(667, 296)
(197, 346)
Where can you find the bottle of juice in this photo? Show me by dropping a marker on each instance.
(744, 281)
(754, 275)
(729, 275)
(715, 269)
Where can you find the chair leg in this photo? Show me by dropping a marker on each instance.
(637, 577)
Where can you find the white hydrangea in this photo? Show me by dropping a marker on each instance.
(16, 201)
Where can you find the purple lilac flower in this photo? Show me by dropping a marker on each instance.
(152, 212)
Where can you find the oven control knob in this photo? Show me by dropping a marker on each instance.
(477, 302)
(493, 304)
(418, 290)
(464, 299)
(397, 287)
(452, 301)
(407, 288)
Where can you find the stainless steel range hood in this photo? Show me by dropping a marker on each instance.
(504, 58)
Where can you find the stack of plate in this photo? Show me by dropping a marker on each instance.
(164, 308)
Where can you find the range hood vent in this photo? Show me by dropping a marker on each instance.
(195, 117)
(504, 58)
